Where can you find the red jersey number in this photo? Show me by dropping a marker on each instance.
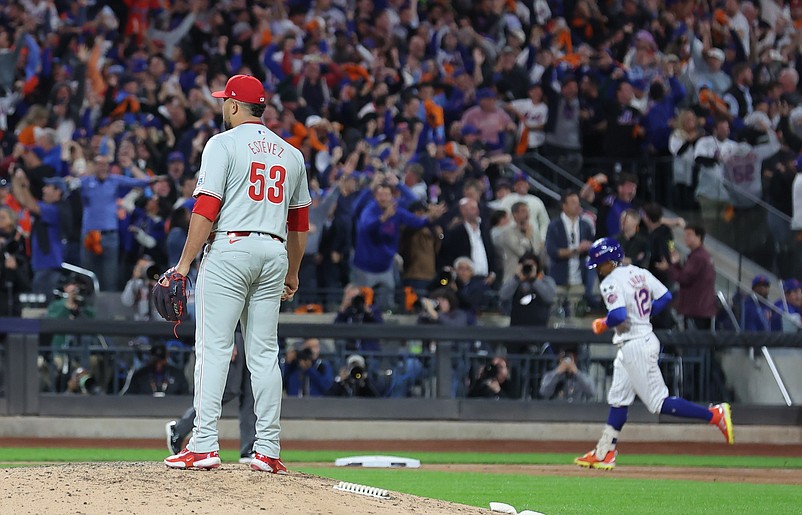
(259, 183)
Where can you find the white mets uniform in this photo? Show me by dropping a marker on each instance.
(258, 177)
(635, 369)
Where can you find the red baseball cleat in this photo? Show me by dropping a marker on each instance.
(590, 461)
(187, 459)
(722, 417)
(262, 463)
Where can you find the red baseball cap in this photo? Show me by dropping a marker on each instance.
(244, 88)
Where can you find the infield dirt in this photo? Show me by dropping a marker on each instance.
(150, 488)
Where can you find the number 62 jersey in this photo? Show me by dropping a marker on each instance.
(634, 289)
(257, 176)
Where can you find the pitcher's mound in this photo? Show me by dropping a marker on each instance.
(152, 489)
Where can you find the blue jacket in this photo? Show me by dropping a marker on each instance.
(777, 321)
(756, 316)
(376, 241)
(320, 375)
(556, 239)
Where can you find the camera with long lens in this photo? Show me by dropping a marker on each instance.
(305, 354)
(445, 277)
(527, 269)
(490, 371)
(357, 374)
(358, 303)
(83, 382)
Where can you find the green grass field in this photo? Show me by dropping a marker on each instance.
(597, 494)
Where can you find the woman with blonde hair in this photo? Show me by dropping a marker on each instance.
(687, 131)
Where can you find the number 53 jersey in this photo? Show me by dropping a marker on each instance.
(633, 288)
(257, 176)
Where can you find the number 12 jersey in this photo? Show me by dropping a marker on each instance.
(633, 288)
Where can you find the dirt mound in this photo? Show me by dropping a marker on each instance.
(150, 488)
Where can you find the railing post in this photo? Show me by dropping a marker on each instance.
(444, 372)
(22, 377)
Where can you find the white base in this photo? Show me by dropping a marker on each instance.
(377, 462)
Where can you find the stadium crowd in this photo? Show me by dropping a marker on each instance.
(409, 115)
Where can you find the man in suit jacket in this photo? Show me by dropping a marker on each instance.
(470, 239)
(568, 239)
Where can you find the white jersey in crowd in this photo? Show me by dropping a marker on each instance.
(633, 288)
(743, 165)
(535, 115)
(711, 178)
(796, 196)
(258, 177)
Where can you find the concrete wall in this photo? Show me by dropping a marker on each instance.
(153, 428)
(755, 383)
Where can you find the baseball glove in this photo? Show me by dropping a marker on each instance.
(170, 296)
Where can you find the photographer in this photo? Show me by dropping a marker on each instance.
(567, 382)
(157, 377)
(529, 293)
(305, 374)
(136, 293)
(13, 265)
(443, 308)
(493, 381)
(355, 309)
(71, 304)
(353, 380)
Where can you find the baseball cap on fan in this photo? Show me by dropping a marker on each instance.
(243, 88)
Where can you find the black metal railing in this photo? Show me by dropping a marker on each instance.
(446, 357)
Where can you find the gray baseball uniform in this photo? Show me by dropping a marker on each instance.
(258, 177)
(238, 387)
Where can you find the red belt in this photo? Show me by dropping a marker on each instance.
(245, 234)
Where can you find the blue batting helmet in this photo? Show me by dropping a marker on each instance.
(603, 250)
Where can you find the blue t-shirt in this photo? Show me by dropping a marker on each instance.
(49, 215)
(377, 241)
(100, 200)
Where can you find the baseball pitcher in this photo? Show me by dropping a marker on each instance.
(252, 215)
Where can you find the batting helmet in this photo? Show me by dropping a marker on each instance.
(603, 250)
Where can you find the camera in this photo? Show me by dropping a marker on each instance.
(490, 371)
(81, 381)
(527, 269)
(445, 277)
(11, 246)
(357, 373)
(305, 354)
(358, 303)
(152, 273)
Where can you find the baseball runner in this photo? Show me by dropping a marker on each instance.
(252, 207)
(632, 295)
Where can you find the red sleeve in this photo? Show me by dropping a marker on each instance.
(298, 219)
(207, 206)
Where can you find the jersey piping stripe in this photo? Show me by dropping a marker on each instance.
(301, 205)
(210, 193)
(199, 295)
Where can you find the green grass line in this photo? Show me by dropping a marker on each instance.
(11, 455)
(601, 494)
